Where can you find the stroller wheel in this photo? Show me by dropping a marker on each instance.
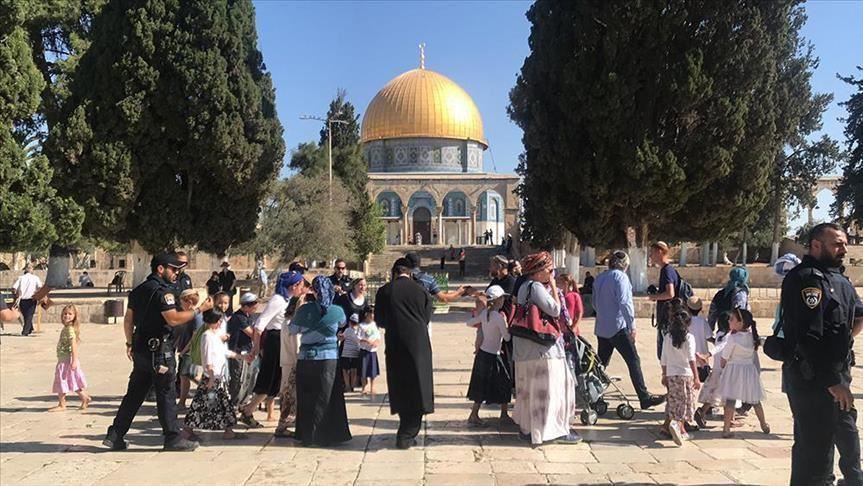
(588, 417)
(601, 407)
(625, 411)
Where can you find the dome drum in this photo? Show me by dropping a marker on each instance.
(424, 155)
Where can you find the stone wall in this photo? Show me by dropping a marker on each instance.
(101, 278)
(760, 276)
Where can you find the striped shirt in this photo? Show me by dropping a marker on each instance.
(351, 348)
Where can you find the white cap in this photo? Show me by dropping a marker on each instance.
(248, 298)
(355, 318)
(494, 292)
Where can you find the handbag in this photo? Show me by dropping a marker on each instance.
(529, 322)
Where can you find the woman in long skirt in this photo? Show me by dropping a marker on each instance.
(267, 343)
(321, 414)
(545, 385)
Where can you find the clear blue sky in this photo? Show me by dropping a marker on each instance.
(314, 48)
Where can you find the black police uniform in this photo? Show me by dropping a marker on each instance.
(184, 282)
(819, 306)
(153, 359)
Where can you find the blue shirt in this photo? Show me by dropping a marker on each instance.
(612, 300)
(427, 281)
(318, 340)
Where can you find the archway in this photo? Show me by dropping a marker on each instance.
(422, 225)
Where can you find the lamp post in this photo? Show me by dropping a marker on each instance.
(329, 122)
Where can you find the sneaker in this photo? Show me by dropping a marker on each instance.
(676, 433)
(651, 401)
(111, 441)
(570, 438)
(181, 445)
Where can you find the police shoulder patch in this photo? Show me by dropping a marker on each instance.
(168, 298)
(811, 297)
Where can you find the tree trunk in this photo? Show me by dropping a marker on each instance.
(58, 267)
(777, 219)
(140, 265)
(637, 261)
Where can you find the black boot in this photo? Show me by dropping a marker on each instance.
(113, 442)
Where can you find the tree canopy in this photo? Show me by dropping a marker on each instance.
(850, 192)
(350, 167)
(33, 215)
(169, 135)
(297, 220)
(641, 116)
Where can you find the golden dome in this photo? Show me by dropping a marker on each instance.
(422, 103)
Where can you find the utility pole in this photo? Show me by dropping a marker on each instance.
(329, 122)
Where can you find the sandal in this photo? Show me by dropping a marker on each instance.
(85, 403)
(765, 427)
(250, 421)
(507, 420)
(476, 422)
(728, 435)
(283, 434)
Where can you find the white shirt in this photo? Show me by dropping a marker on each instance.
(27, 285)
(369, 331)
(676, 360)
(273, 316)
(214, 353)
(740, 348)
(701, 330)
(494, 330)
(289, 349)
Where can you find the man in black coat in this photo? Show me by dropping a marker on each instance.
(403, 308)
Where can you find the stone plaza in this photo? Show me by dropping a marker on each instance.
(42, 448)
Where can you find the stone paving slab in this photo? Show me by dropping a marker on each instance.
(37, 447)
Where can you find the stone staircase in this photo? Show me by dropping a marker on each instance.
(476, 268)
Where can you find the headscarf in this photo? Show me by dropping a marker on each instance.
(738, 278)
(324, 292)
(785, 263)
(535, 262)
(286, 281)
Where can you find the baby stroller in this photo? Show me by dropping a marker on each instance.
(592, 384)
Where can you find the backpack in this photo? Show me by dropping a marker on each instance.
(195, 347)
(776, 347)
(684, 289)
(721, 305)
(531, 323)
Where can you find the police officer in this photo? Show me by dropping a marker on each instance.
(184, 281)
(821, 313)
(148, 325)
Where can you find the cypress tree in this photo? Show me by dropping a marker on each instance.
(170, 135)
(658, 116)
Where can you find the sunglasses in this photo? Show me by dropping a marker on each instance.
(341, 268)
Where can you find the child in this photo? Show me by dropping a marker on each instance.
(211, 407)
(741, 379)
(188, 300)
(679, 374)
(370, 338)
(700, 329)
(68, 376)
(709, 392)
(350, 357)
(490, 381)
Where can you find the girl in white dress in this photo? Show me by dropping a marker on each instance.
(741, 376)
